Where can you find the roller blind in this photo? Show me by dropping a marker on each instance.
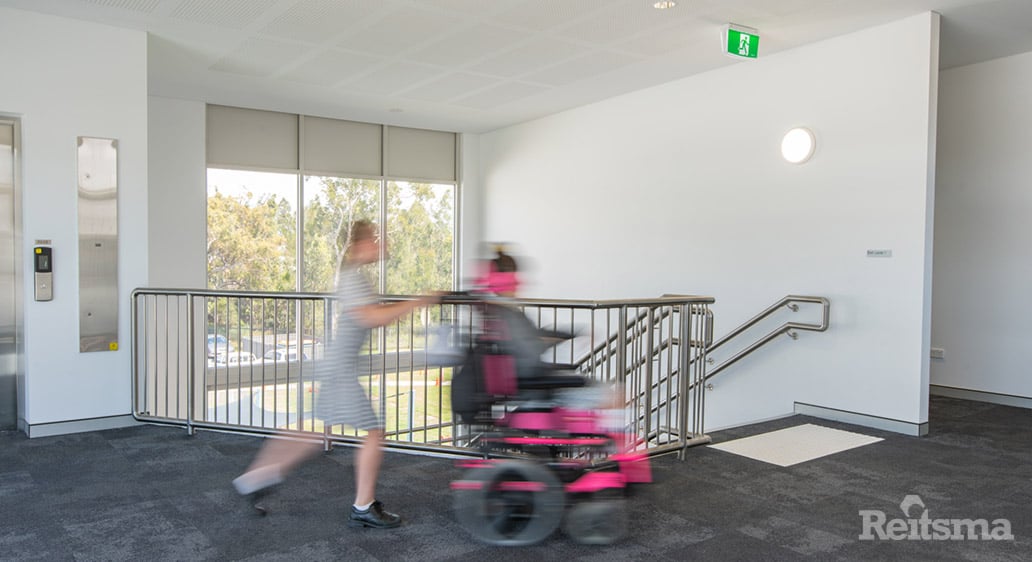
(251, 138)
(342, 148)
(420, 154)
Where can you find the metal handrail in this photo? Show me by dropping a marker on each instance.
(176, 380)
(606, 347)
(789, 302)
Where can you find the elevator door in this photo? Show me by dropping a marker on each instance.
(8, 314)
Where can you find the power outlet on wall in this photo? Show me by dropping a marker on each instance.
(938, 353)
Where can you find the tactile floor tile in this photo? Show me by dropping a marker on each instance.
(794, 445)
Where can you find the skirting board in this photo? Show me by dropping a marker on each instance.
(75, 426)
(981, 396)
(866, 420)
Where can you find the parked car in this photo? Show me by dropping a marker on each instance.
(284, 354)
(235, 358)
(218, 345)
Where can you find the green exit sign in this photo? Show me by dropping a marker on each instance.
(741, 41)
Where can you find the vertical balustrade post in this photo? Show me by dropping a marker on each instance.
(191, 365)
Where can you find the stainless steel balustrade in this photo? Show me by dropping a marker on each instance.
(244, 361)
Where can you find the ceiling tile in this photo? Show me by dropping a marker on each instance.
(315, 21)
(670, 39)
(500, 95)
(449, 87)
(620, 21)
(470, 8)
(539, 53)
(234, 14)
(542, 15)
(332, 67)
(398, 32)
(468, 45)
(593, 64)
(392, 78)
(466, 49)
(145, 6)
(259, 56)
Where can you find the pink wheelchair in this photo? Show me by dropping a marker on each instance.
(544, 464)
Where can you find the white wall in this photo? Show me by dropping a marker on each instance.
(681, 189)
(983, 273)
(470, 208)
(178, 194)
(67, 78)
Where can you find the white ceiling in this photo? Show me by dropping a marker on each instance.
(477, 65)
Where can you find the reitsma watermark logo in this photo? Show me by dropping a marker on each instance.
(876, 526)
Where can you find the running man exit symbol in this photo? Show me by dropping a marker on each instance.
(741, 41)
(743, 44)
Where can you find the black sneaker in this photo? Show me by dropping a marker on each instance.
(257, 500)
(374, 517)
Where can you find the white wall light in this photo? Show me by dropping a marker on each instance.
(797, 145)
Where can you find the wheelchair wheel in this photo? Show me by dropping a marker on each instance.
(596, 522)
(510, 503)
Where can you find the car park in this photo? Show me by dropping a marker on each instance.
(284, 354)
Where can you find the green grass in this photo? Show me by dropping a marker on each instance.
(429, 404)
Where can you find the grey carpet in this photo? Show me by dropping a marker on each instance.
(155, 493)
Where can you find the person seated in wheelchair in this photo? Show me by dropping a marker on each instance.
(506, 362)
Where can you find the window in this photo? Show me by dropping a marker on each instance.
(252, 230)
(420, 232)
(403, 179)
(332, 205)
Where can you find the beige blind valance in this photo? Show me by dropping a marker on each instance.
(251, 138)
(420, 154)
(344, 148)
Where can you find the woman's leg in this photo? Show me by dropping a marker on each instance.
(276, 459)
(367, 467)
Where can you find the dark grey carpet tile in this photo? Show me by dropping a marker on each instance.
(156, 493)
(324, 550)
(806, 540)
(137, 532)
(25, 543)
(934, 551)
(733, 546)
(942, 409)
(14, 484)
(560, 548)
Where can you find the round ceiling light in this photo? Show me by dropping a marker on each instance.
(797, 145)
(664, 5)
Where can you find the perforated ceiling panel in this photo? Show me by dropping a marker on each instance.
(545, 15)
(315, 21)
(332, 67)
(235, 14)
(530, 57)
(476, 65)
(450, 87)
(145, 6)
(259, 56)
(398, 32)
(500, 95)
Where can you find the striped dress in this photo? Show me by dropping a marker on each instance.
(340, 399)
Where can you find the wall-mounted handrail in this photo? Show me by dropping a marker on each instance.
(786, 302)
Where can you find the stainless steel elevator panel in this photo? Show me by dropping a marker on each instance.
(98, 244)
(8, 278)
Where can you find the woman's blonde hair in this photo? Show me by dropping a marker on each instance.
(362, 229)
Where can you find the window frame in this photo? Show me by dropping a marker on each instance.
(383, 178)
